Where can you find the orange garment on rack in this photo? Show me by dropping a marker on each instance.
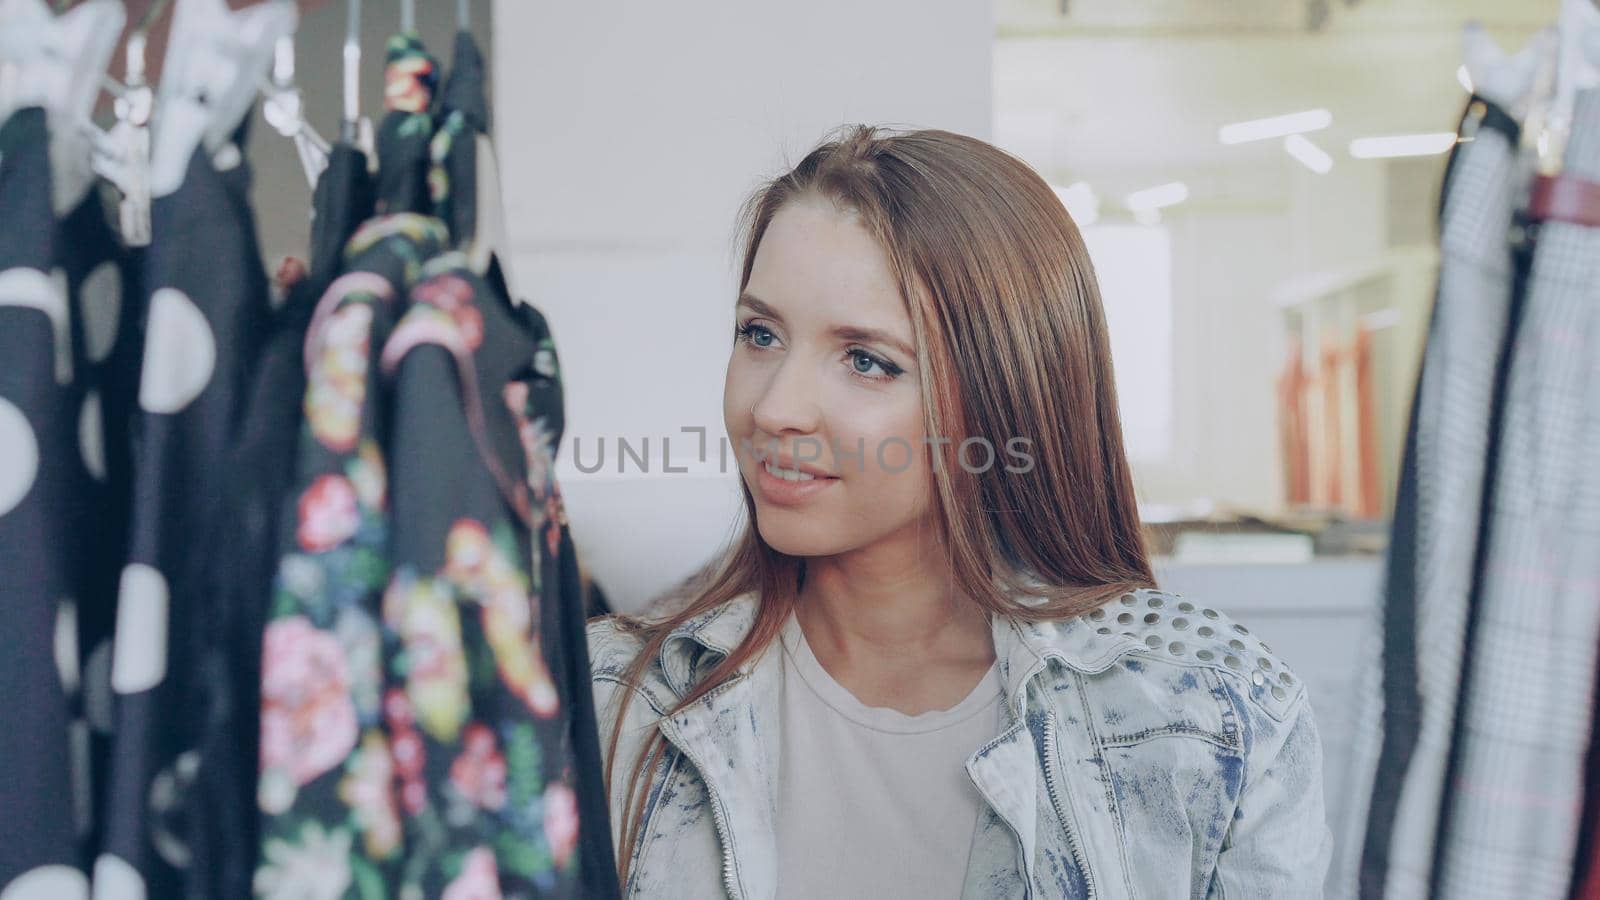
(1293, 438)
(1332, 431)
(1366, 425)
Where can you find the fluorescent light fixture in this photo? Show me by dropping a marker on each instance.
(1150, 216)
(1275, 127)
(1310, 155)
(1081, 202)
(1161, 195)
(1402, 145)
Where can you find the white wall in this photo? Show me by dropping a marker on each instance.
(629, 134)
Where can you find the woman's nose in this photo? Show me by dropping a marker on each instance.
(788, 402)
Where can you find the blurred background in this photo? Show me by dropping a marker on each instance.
(1258, 182)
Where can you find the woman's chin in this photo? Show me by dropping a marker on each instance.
(802, 535)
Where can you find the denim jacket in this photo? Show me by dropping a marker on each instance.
(1154, 749)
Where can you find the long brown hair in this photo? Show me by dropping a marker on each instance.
(1011, 341)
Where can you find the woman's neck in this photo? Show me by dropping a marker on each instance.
(879, 629)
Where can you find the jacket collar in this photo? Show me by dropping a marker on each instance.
(1020, 645)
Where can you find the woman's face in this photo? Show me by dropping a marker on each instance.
(823, 374)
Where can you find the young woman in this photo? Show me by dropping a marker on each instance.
(936, 664)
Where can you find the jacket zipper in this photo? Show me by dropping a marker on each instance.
(729, 882)
(1068, 823)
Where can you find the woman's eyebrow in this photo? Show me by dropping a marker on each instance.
(870, 335)
(844, 332)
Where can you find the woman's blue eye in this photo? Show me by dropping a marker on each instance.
(888, 369)
(749, 333)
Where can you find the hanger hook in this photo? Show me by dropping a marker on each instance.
(464, 14)
(352, 71)
(408, 16)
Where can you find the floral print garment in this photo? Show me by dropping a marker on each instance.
(488, 781)
(327, 792)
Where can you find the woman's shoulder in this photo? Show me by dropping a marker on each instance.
(1178, 652)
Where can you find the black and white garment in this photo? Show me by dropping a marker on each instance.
(65, 391)
(207, 311)
(1511, 816)
(1435, 529)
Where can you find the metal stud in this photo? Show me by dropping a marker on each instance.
(1205, 654)
(1176, 648)
(1128, 600)
(1152, 618)
(1264, 647)
(1279, 692)
(1125, 619)
(1102, 631)
(1153, 641)
(1205, 631)
(1257, 679)
(1286, 678)
(1129, 634)
(1180, 624)
(1156, 603)
(1236, 644)
(1241, 629)
(1231, 662)
(1185, 606)
(1097, 615)
(1264, 663)
(1209, 613)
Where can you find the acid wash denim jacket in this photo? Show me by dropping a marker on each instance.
(1154, 750)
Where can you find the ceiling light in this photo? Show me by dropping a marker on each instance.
(1161, 195)
(1081, 202)
(1310, 155)
(1275, 127)
(1402, 145)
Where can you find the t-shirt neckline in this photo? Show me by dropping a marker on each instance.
(882, 718)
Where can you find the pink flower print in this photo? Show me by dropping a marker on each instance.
(405, 88)
(328, 514)
(338, 378)
(308, 721)
(455, 296)
(560, 821)
(479, 773)
(479, 878)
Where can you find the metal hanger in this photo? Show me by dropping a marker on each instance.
(408, 16)
(284, 108)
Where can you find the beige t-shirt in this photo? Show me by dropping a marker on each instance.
(874, 803)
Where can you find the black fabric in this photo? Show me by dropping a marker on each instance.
(38, 507)
(207, 312)
(464, 114)
(262, 463)
(1480, 112)
(62, 545)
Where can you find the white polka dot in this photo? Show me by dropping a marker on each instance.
(19, 457)
(92, 436)
(67, 645)
(48, 294)
(101, 294)
(179, 353)
(97, 702)
(139, 660)
(48, 883)
(114, 879)
(227, 157)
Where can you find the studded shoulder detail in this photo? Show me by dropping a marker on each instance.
(1178, 630)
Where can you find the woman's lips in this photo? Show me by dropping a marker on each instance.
(789, 493)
